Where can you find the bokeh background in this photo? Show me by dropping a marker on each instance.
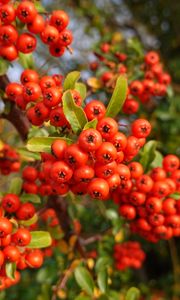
(156, 23)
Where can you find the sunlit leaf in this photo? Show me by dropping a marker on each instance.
(118, 97)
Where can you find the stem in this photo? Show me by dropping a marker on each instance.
(176, 268)
(15, 115)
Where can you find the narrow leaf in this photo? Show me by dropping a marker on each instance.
(40, 239)
(148, 154)
(43, 144)
(4, 65)
(133, 294)
(26, 60)
(27, 155)
(30, 198)
(10, 270)
(81, 88)
(70, 80)
(91, 124)
(29, 222)
(118, 97)
(157, 162)
(84, 280)
(111, 214)
(15, 186)
(74, 114)
(102, 263)
(102, 280)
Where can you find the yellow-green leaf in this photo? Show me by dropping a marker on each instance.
(70, 80)
(40, 239)
(84, 280)
(118, 97)
(43, 144)
(133, 294)
(74, 114)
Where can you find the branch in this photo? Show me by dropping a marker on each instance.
(15, 116)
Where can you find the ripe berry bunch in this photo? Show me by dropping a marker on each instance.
(40, 97)
(9, 160)
(15, 238)
(128, 255)
(52, 31)
(94, 165)
(150, 83)
(148, 201)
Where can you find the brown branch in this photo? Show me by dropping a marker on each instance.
(15, 116)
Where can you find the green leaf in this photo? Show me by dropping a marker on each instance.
(118, 97)
(43, 144)
(91, 124)
(26, 60)
(148, 155)
(157, 162)
(4, 65)
(102, 280)
(29, 222)
(15, 186)
(175, 196)
(70, 80)
(84, 280)
(30, 198)
(111, 214)
(27, 155)
(40, 239)
(83, 298)
(133, 294)
(39, 7)
(74, 114)
(102, 263)
(81, 88)
(135, 45)
(170, 92)
(10, 269)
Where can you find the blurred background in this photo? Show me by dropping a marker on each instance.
(156, 23)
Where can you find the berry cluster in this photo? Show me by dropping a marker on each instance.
(128, 255)
(151, 84)
(147, 200)
(41, 98)
(15, 238)
(52, 30)
(95, 164)
(9, 160)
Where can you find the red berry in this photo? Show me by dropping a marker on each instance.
(11, 203)
(98, 189)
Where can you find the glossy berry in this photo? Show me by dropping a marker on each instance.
(98, 189)
(90, 140)
(95, 109)
(141, 128)
(11, 203)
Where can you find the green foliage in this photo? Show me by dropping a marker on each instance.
(15, 186)
(10, 268)
(26, 60)
(43, 144)
(118, 97)
(33, 198)
(81, 88)
(84, 280)
(74, 114)
(4, 65)
(133, 294)
(148, 155)
(40, 239)
(91, 124)
(70, 80)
